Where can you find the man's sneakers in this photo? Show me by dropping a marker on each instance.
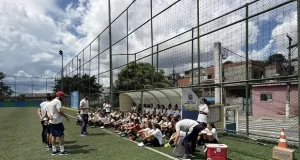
(64, 153)
(84, 134)
(57, 152)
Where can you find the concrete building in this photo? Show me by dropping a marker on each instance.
(274, 71)
(270, 100)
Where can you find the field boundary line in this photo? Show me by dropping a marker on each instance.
(159, 152)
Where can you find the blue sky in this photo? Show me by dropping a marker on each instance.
(32, 33)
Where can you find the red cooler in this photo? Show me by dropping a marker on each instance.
(216, 151)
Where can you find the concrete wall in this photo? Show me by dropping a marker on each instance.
(276, 106)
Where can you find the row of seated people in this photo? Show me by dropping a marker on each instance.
(158, 110)
(151, 128)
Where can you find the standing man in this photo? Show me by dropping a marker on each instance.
(56, 115)
(84, 111)
(106, 107)
(42, 113)
(192, 128)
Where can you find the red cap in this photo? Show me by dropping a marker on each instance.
(60, 93)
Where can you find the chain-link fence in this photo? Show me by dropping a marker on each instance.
(22, 88)
(246, 51)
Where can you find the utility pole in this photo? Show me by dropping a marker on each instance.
(174, 79)
(288, 84)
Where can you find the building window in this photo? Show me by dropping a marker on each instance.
(266, 97)
(255, 75)
(209, 76)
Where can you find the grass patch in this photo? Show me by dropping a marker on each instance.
(21, 139)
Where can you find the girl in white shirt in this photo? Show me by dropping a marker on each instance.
(203, 111)
(209, 134)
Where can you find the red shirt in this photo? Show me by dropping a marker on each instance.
(137, 127)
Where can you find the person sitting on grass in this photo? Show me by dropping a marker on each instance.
(110, 122)
(154, 138)
(209, 134)
(79, 119)
(132, 131)
(96, 120)
(119, 123)
(172, 138)
(125, 126)
(165, 126)
(146, 131)
(131, 128)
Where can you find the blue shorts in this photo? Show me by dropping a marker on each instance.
(49, 128)
(57, 130)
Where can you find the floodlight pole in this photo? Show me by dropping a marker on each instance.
(62, 69)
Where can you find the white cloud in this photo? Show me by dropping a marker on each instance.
(32, 33)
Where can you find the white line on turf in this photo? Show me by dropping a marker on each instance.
(166, 155)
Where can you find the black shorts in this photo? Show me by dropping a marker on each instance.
(155, 142)
(49, 128)
(57, 130)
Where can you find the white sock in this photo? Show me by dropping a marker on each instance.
(62, 148)
(53, 148)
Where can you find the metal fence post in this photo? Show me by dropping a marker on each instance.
(98, 60)
(90, 69)
(127, 49)
(298, 35)
(46, 86)
(151, 22)
(135, 70)
(192, 68)
(198, 45)
(157, 50)
(110, 58)
(247, 74)
(15, 86)
(31, 89)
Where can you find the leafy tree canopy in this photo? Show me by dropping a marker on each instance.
(139, 77)
(5, 91)
(78, 83)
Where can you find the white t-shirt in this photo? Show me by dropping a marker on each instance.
(202, 117)
(84, 103)
(151, 110)
(157, 111)
(147, 110)
(186, 125)
(169, 112)
(157, 134)
(53, 107)
(134, 108)
(106, 107)
(176, 112)
(162, 112)
(214, 133)
(182, 135)
(43, 107)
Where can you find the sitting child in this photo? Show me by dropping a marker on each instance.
(208, 135)
(154, 138)
(78, 120)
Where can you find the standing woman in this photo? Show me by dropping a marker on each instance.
(203, 111)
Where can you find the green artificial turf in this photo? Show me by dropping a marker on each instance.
(21, 139)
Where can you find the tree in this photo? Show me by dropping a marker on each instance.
(5, 91)
(140, 77)
(276, 59)
(81, 84)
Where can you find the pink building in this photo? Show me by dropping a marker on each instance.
(270, 100)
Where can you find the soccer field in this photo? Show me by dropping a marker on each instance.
(21, 139)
